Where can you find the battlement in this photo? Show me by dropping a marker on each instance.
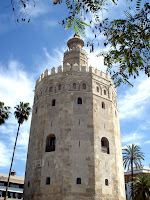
(75, 68)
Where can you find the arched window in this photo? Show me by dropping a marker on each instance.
(36, 110)
(104, 92)
(97, 89)
(79, 100)
(105, 145)
(103, 105)
(59, 87)
(74, 85)
(48, 181)
(84, 86)
(50, 143)
(53, 102)
(106, 182)
(50, 89)
(78, 180)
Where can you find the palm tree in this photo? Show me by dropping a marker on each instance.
(141, 187)
(132, 155)
(22, 113)
(4, 112)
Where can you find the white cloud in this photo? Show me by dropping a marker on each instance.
(15, 85)
(146, 124)
(133, 102)
(50, 60)
(35, 10)
(147, 142)
(50, 23)
(132, 138)
(5, 155)
(96, 62)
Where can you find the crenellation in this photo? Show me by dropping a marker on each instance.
(60, 69)
(39, 79)
(46, 73)
(102, 74)
(97, 72)
(53, 71)
(91, 69)
(75, 67)
(42, 76)
(83, 68)
(108, 76)
(66, 67)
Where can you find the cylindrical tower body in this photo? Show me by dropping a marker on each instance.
(74, 148)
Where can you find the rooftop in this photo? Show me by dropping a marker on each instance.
(4, 177)
(137, 170)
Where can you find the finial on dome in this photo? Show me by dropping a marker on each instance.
(76, 36)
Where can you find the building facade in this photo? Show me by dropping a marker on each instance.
(128, 178)
(15, 189)
(74, 150)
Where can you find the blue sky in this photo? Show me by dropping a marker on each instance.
(28, 49)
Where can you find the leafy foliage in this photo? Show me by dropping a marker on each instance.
(22, 112)
(128, 39)
(132, 153)
(77, 24)
(4, 112)
(130, 42)
(141, 187)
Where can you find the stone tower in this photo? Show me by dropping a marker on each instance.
(74, 148)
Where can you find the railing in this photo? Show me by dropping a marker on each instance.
(11, 189)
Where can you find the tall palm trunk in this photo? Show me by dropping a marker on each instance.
(143, 196)
(132, 176)
(12, 162)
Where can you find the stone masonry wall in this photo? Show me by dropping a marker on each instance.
(78, 129)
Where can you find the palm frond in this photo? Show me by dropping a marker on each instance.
(4, 112)
(22, 112)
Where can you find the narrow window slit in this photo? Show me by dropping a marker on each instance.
(78, 180)
(28, 183)
(48, 181)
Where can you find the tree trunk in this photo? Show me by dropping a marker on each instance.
(143, 196)
(12, 162)
(132, 177)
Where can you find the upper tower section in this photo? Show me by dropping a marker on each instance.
(75, 54)
(75, 65)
